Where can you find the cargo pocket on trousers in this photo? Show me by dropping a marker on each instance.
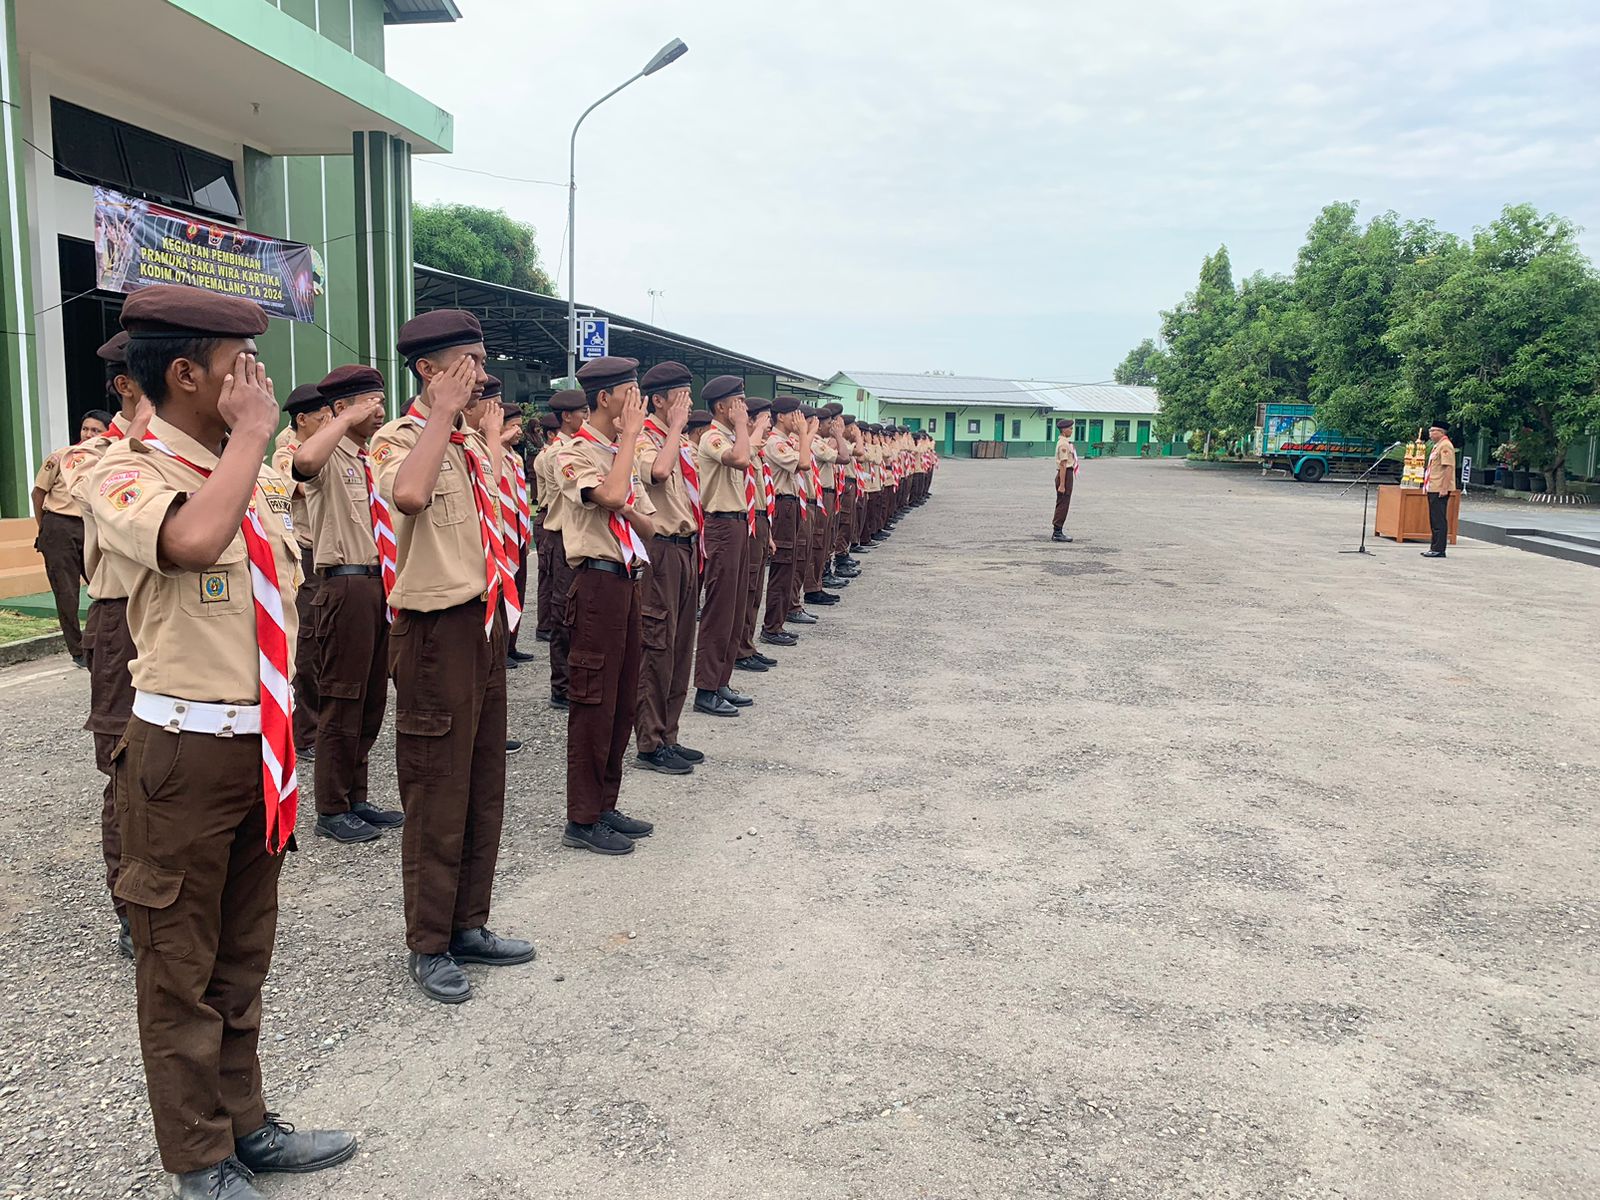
(423, 749)
(586, 677)
(653, 628)
(346, 718)
(150, 892)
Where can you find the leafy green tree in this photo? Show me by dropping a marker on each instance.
(1195, 333)
(1140, 367)
(480, 243)
(1509, 339)
(1267, 356)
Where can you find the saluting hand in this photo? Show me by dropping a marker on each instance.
(811, 426)
(494, 420)
(449, 392)
(739, 416)
(763, 423)
(140, 424)
(248, 404)
(362, 411)
(631, 422)
(678, 414)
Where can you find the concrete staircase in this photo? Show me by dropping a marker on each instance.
(21, 567)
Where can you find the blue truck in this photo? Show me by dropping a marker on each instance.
(1290, 442)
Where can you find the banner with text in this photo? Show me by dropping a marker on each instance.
(138, 243)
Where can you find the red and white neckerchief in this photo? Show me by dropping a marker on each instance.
(769, 494)
(524, 504)
(628, 540)
(751, 492)
(861, 476)
(499, 576)
(113, 433)
(280, 788)
(382, 530)
(816, 486)
(510, 526)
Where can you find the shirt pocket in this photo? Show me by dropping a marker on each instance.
(447, 508)
(222, 589)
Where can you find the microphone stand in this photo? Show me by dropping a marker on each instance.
(1366, 491)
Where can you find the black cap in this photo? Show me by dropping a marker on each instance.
(354, 380)
(784, 405)
(599, 374)
(756, 405)
(570, 400)
(829, 411)
(306, 398)
(663, 377)
(511, 411)
(549, 422)
(699, 418)
(437, 330)
(492, 387)
(115, 351)
(171, 309)
(721, 388)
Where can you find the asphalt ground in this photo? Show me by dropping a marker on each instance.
(1190, 859)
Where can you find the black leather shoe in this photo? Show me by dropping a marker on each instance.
(77, 661)
(713, 705)
(688, 755)
(1058, 536)
(846, 561)
(346, 828)
(481, 945)
(835, 581)
(782, 638)
(800, 617)
(628, 827)
(822, 598)
(749, 664)
(664, 760)
(521, 656)
(228, 1180)
(512, 664)
(278, 1147)
(864, 548)
(1433, 554)
(379, 818)
(541, 636)
(762, 658)
(599, 837)
(308, 755)
(124, 938)
(513, 746)
(557, 700)
(441, 978)
(737, 699)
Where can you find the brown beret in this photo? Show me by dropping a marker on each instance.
(492, 387)
(437, 330)
(849, 418)
(306, 398)
(721, 388)
(598, 374)
(171, 309)
(549, 422)
(756, 405)
(510, 411)
(784, 405)
(115, 351)
(699, 418)
(570, 400)
(829, 411)
(354, 380)
(808, 412)
(663, 377)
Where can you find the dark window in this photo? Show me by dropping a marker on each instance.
(1079, 431)
(92, 148)
(1119, 431)
(1016, 430)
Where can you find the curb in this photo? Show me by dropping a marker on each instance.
(29, 649)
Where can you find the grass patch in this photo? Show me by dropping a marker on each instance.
(16, 627)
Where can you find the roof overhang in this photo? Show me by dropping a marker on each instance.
(248, 72)
(419, 12)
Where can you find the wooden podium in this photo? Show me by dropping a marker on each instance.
(1403, 514)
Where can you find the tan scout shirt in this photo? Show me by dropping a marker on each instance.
(440, 562)
(824, 453)
(54, 480)
(283, 462)
(721, 488)
(674, 510)
(872, 460)
(1441, 475)
(782, 457)
(109, 576)
(544, 470)
(340, 511)
(194, 632)
(585, 525)
(1066, 452)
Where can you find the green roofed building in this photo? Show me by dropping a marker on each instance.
(272, 116)
(966, 414)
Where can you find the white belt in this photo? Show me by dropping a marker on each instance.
(190, 716)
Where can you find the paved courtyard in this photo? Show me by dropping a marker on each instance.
(1191, 859)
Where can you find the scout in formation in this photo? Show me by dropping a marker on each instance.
(253, 600)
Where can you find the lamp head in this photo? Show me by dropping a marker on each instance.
(670, 53)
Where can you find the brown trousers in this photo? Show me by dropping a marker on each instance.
(450, 755)
(822, 543)
(603, 610)
(756, 573)
(307, 699)
(668, 588)
(107, 651)
(350, 637)
(522, 595)
(542, 541)
(202, 902)
(1063, 502)
(560, 630)
(61, 544)
(844, 524)
(781, 574)
(728, 545)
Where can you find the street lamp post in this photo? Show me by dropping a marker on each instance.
(670, 53)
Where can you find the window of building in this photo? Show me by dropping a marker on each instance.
(933, 425)
(1119, 431)
(92, 148)
(912, 422)
(974, 426)
(1016, 431)
(1080, 430)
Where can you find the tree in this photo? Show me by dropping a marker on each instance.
(1139, 368)
(480, 243)
(1267, 356)
(1195, 333)
(1509, 339)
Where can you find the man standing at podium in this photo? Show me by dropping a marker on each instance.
(1439, 482)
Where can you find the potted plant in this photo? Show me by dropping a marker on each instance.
(1505, 454)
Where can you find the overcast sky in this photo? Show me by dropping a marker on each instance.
(1013, 187)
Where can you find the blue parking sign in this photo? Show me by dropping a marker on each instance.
(594, 338)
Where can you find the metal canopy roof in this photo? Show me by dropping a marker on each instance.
(977, 391)
(419, 12)
(533, 328)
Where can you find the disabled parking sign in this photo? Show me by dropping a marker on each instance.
(594, 338)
